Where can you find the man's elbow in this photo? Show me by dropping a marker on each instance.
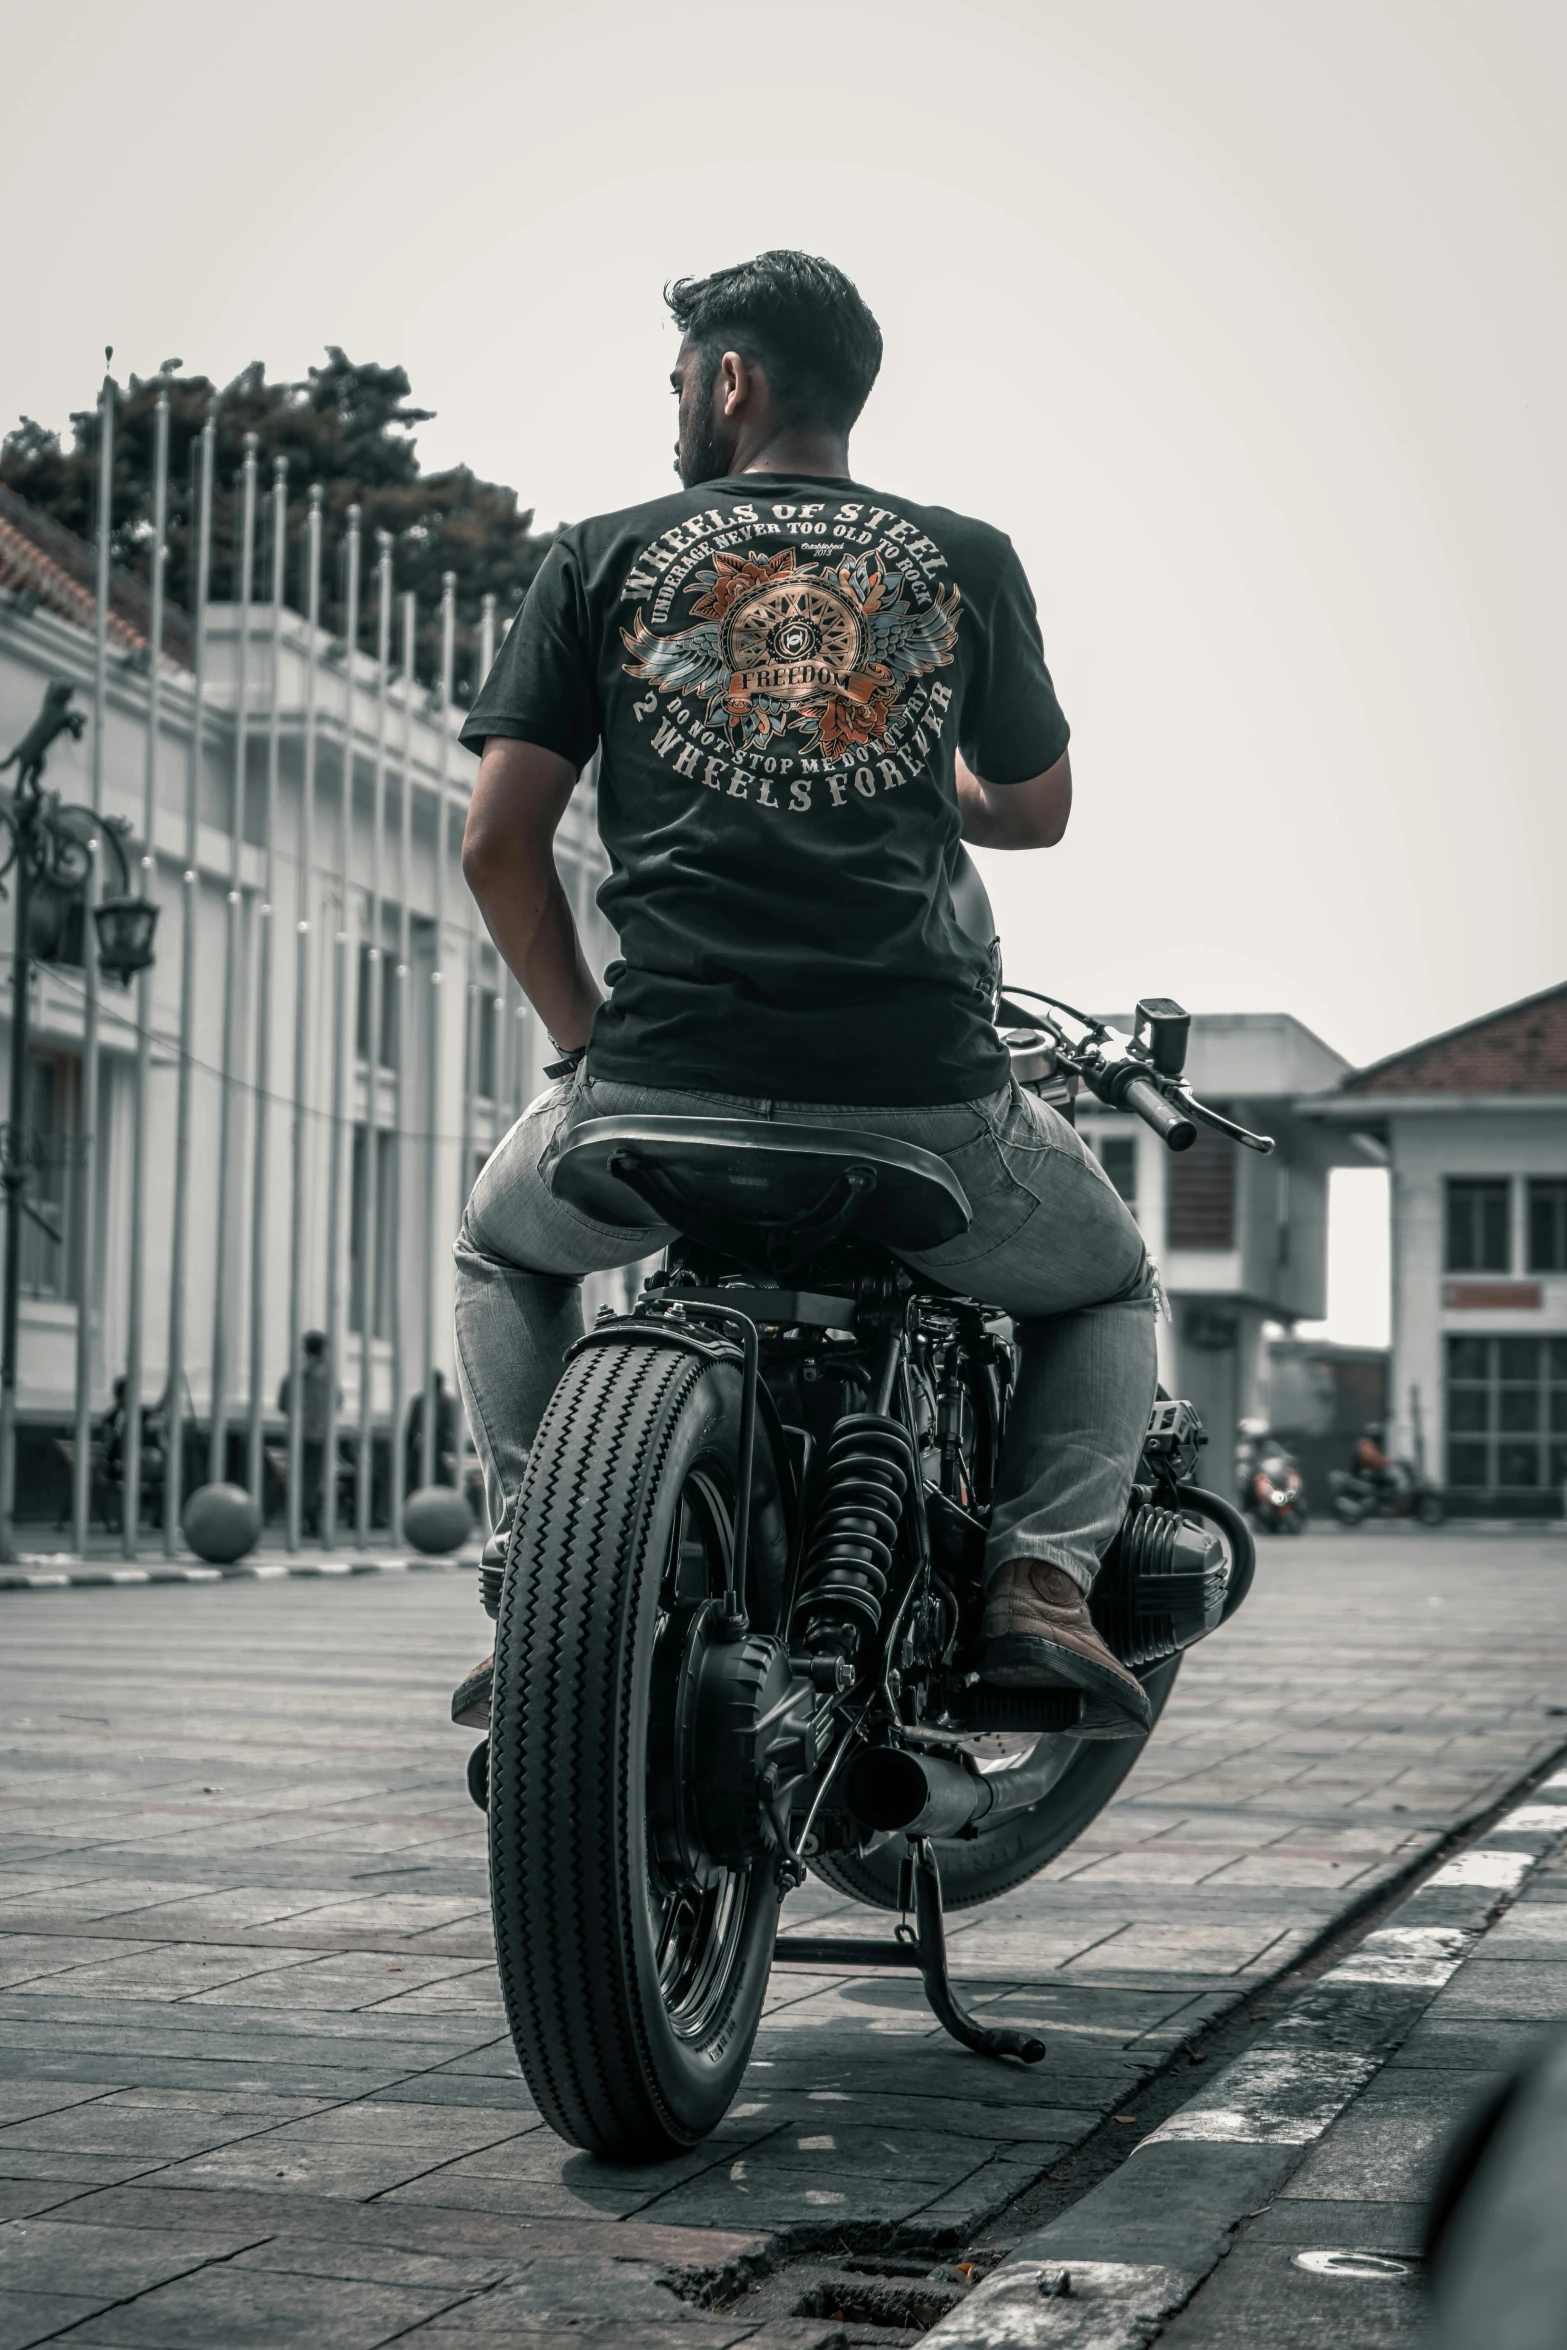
(1050, 804)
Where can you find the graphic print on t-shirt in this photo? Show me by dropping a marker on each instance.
(812, 660)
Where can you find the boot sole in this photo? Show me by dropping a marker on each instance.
(1115, 1706)
(471, 1700)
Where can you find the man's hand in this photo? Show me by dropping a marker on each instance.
(508, 861)
(1031, 815)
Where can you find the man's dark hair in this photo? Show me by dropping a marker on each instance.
(799, 319)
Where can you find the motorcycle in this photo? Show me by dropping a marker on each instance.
(1409, 1494)
(739, 1611)
(1273, 1491)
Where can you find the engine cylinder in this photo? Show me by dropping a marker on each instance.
(1162, 1587)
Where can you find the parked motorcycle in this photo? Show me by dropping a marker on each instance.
(1406, 1493)
(739, 1614)
(1271, 1488)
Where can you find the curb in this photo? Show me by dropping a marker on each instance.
(74, 1575)
(1106, 2274)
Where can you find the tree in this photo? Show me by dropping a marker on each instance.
(348, 426)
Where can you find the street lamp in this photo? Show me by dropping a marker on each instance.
(50, 849)
(125, 928)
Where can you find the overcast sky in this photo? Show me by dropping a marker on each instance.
(1245, 320)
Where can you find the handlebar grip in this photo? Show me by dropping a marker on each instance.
(1172, 1126)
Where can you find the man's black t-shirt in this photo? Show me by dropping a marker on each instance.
(777, 670)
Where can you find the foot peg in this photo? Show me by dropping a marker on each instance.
(1048, 1710)
(922, 1946)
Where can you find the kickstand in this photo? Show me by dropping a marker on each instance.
(920, 1871)
(922, 1947)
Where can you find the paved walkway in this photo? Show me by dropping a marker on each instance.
(254, 2078)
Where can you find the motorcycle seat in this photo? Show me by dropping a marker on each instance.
(792, 1185)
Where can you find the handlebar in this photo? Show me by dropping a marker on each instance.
(1125, 1073)
(1170, 1124)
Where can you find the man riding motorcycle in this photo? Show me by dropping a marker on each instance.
(806, 695)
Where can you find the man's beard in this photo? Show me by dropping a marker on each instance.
(702, 455)
(701, 458)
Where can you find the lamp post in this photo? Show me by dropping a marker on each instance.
(51, 851)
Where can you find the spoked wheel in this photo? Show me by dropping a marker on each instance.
(633, 1962)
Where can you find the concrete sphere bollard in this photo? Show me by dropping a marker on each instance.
(437, 1518)
(221, 1522)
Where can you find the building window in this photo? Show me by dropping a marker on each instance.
(1202, 1193)
(1281, 1211)
(483, 1043)
(1548, 1224)
(1479, 1213)
(50, 1241)
(389, 998)
(385, 1147)
(1118, 1157)
(1506, 1413)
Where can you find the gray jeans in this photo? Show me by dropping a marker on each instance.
(1051, 1243)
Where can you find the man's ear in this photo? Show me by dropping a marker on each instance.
(737, 384)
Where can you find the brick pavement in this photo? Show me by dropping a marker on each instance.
(1294, 2277)
(254, 2080)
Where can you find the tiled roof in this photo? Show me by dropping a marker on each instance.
(41, 559)
(1521, 1049)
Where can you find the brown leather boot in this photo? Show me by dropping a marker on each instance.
(471, 1697)
(1037, 1634)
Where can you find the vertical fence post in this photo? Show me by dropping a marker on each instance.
(369, 1219)
(342, 1041)
(135, 1327)
(84, 1202)
(303, 902)
(177, 1385)
(85, 1210)
(433, 1257)
(402, 1014)
(217, 1443)
(255, 1463)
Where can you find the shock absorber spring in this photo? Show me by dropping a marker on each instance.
(865, 1485)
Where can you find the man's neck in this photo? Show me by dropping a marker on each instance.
(793, 452)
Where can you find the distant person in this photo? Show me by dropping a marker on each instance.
(1371, 1462)
(316, 1406)
(445, 1438)
(111, 1430)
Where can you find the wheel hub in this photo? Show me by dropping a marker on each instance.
(750, 1735)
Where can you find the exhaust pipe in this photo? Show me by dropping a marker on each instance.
(899, 1793)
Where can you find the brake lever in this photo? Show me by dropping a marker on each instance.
(1220, 1125)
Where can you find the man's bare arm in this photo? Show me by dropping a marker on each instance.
(1031, 815)
(508, 861)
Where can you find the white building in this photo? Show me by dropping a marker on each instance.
(1240, 1240)
(475, 1052)
(1474, 1124)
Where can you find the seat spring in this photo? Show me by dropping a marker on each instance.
(865, 1485)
